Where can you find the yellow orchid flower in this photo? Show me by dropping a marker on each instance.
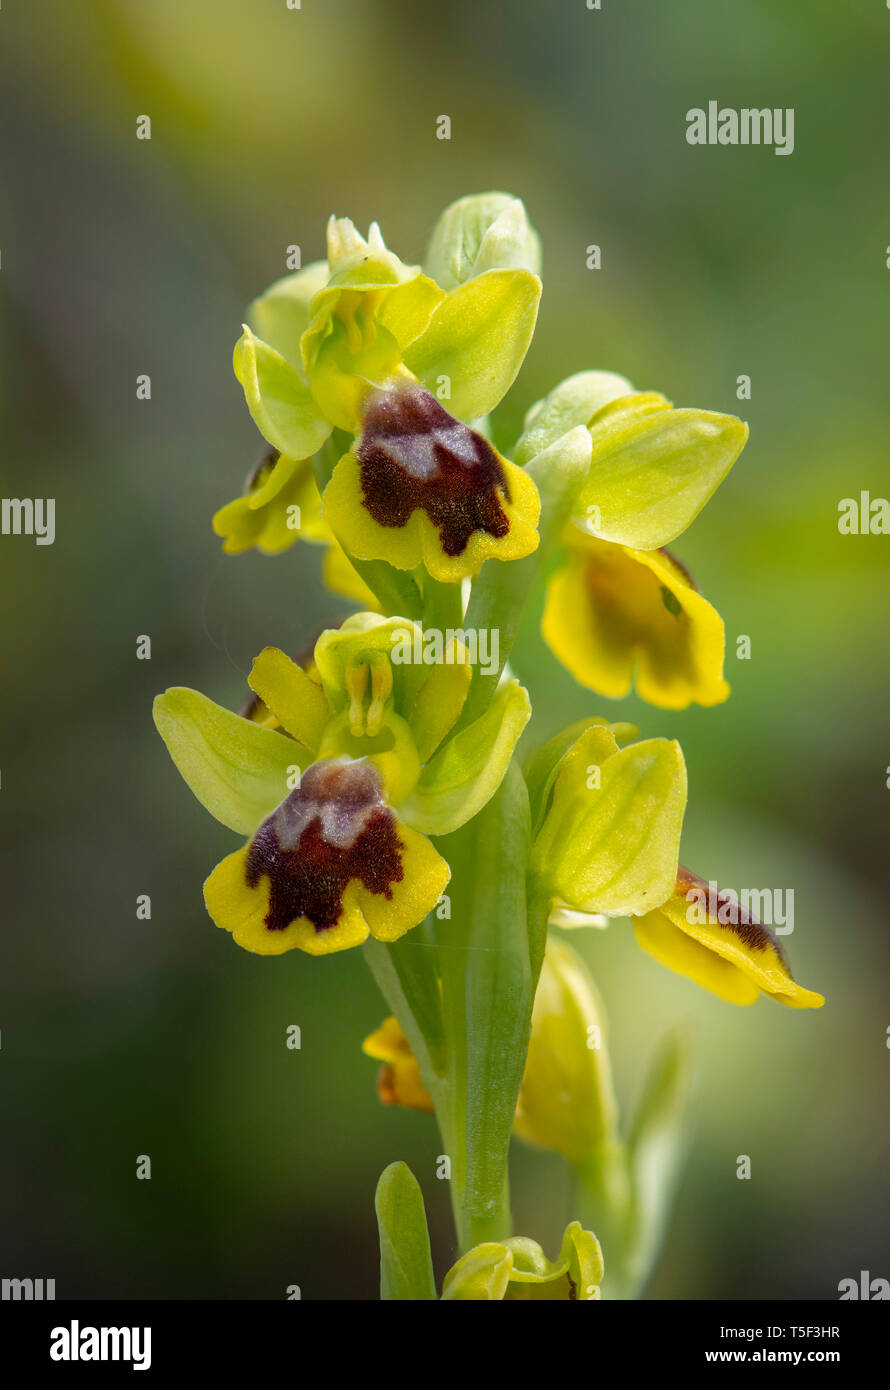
(280, 505)
(381, 347)
(709, 937)
(398, 1081)
(331, 865)
(615, 616)
(337, 778)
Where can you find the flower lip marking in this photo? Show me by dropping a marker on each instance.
(414, 455)
(726, 912)
(333, 828)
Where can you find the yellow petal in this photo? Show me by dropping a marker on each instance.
(399, 1081)
(614, 614)
(297, 702)
(706, 935)
(670, 946)
(242, 910)
(425, 877)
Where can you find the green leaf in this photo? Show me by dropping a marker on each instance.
(406, 1267)
(573, 402)
(467, 771)
(485, 231)
(478, 338)
(281, 404)
(280, 316)
(653, 468)
(610, 841)
(237, 769)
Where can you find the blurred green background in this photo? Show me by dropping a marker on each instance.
(121, 257)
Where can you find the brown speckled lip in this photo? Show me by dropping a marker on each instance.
(333, 828)
(750, 932)
(413, 456)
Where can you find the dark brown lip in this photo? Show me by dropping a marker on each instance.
(413, 455)
(746, 927)
(334, 828)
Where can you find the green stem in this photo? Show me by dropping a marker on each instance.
(405, 972)
(501, 591)
(442, 604)
(487, 996)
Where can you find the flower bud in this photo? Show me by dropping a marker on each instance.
(518, 1269)
(486, 231)
(566, 1101)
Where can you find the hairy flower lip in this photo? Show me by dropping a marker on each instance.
(334, 828)
(727, 912)
(420, 487)
(413, 455)
(619, 619)
(708, 937)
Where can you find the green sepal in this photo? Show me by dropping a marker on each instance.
(406, 1266)
(484, 231)
(281, 404)
(280, 315)
(543, 766)
(478, 338)
(653, 468)
(237, 769)
(458, 781)
(482, 1275)
(610, 839)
